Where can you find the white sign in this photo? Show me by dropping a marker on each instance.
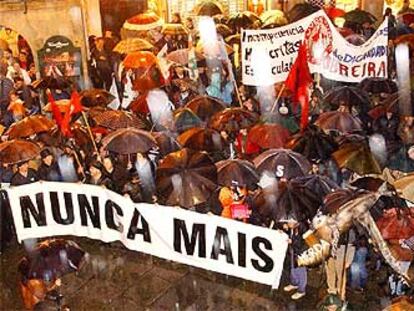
(46, 209)
(271, 53)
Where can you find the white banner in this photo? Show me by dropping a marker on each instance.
(46, 209)
(267, 55)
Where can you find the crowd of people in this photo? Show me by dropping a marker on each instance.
(388, 134)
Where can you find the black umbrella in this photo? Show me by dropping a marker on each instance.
(282, 163)
(235, 170)
(349, 96)
(300, 11)
(378, 86)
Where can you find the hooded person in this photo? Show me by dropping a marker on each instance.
(49, 169)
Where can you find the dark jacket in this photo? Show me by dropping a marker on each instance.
(18, 179)
(49, 173)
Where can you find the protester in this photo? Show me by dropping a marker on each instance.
(24, 175)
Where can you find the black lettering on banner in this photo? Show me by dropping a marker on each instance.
(92, 211)
(110, 206)
(221, 234)
(242, 249)
(198, 233)
(134, 230)
(268, 262)
(56, 212)
(28, 208)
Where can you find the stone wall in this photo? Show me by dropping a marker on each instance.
(75, 19)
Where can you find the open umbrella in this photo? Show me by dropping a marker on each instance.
(232, 120)
(270, 14)
(368, 183)
(131, 45)
(140, 24)
(29, 126)
(269, 135)
(186, 178)
(242, 20)
(182, 56)
(166, 142)
(340, 121)
(185, 119)
(274, 21)
(359, 17)
(282, 163)
(63, 105)
(378, 86)
(52, 259)
(116, 119)
(205, 106)
(407, 38)
(16, 151)
(96, 97)
(237, 171)
(208, 8)
(221, 18)
(174, 30)
(405, 187)
(140, 60)
(408, 17)
(300, 11)
(128, 141)
(358, 158)
(233, 39)
(54, 136)
(223, 30)
(336, 199)
(52, 83)
(349, 96)
(313, 143)
(201, 139)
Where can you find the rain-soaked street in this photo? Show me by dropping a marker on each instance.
(119, 279)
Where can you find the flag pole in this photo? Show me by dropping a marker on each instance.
(278, 97)
(88, 127)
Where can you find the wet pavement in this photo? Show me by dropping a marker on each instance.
(118, 279)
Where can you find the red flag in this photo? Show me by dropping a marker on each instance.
(298, 82)
(75, 107)
(55, 110)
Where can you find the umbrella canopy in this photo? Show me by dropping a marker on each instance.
(143, 22)
(397, 223)
(358, 158)
(336, 199)
(16, 151)
(53, 83)
(128, 141)
(349, 96)
(407, 38)
(405, 187)
(340, 121)
(174, 30)
(132, 45)
(359, 17)
(30, 126)
(269, 135)
(186, 178)
(408, 17)
(282, 163)
(232, 120)
(181, 56)
(300, 11)
(4, 45)
(166, 142)
(140, 60)
(208, 8)
(319, 184)
(221, 18)
(201, 139)
(95, 98)
(242, 20)
(237, 171)
(223, 30)
(313, 143)
(378, 86)
(63, 105)
(185, 119)
(270, 14)
(52, 259)
(205, 106)
(275, 21)
(54, 136)
(116, 119)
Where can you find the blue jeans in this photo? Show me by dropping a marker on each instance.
(299, 278)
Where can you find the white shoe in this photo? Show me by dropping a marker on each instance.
(289, 288)
(297, 296)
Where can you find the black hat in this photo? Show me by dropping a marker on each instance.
(45, 153)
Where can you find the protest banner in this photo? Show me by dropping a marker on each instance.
(269, 54)
(46, 209)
